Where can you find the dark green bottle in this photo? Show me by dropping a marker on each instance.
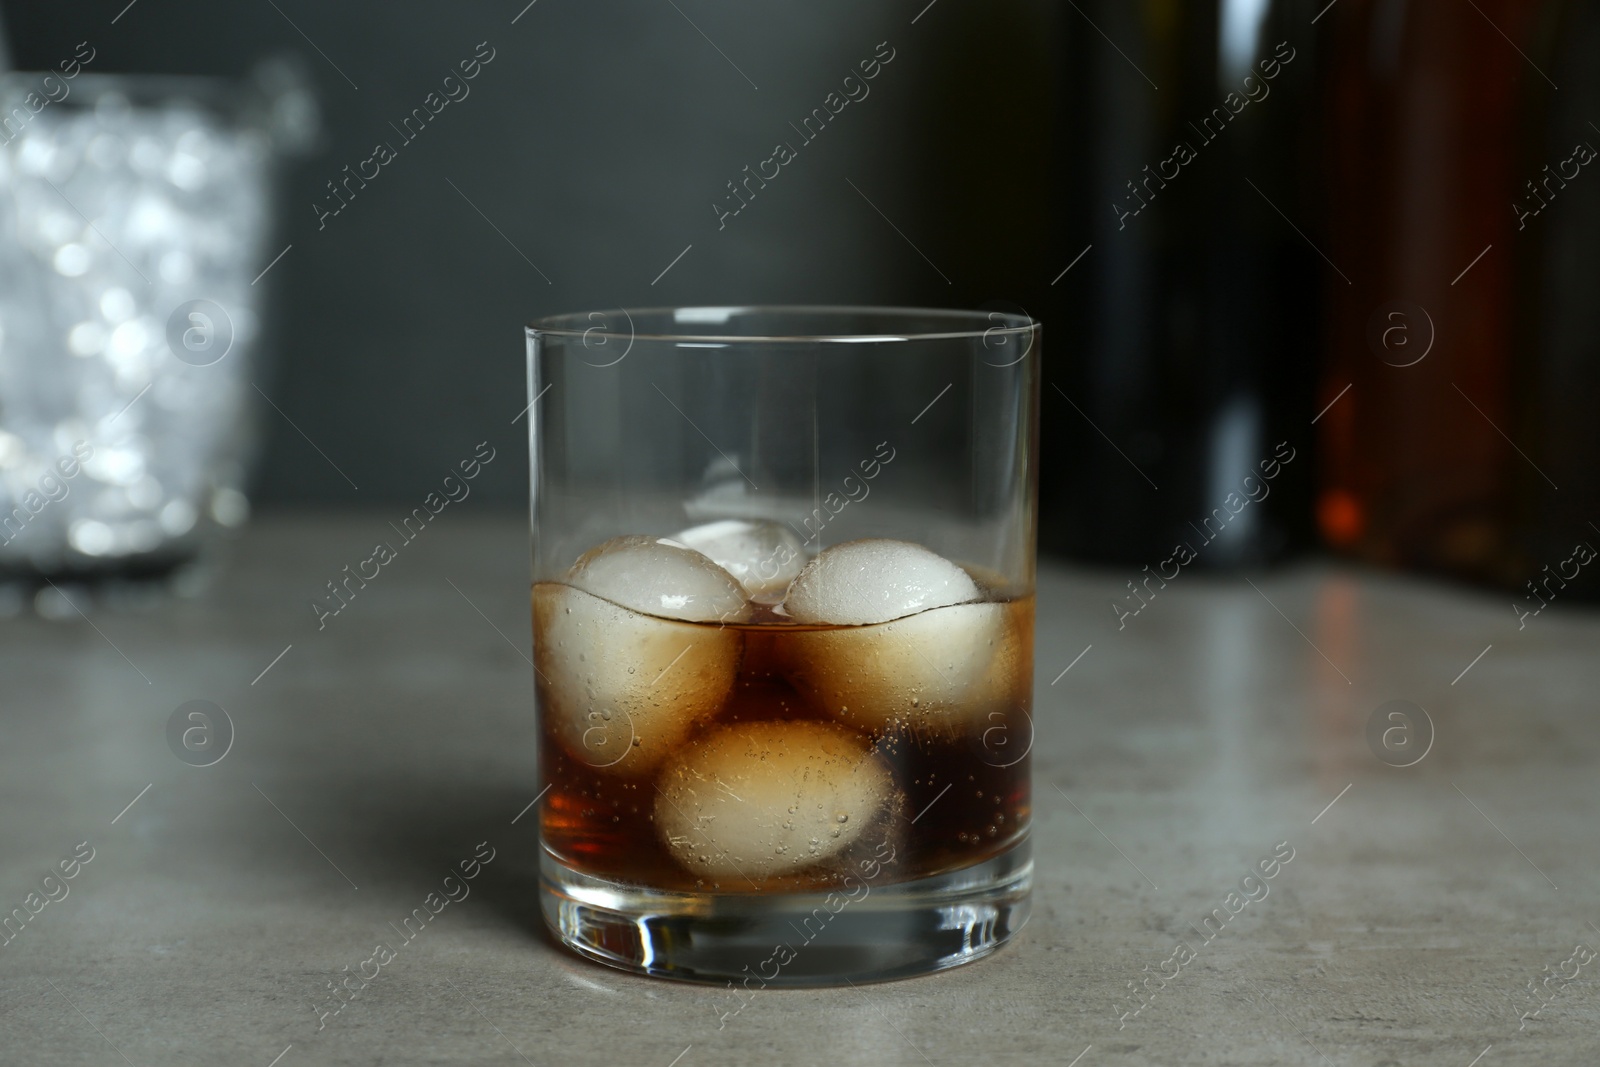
(1556, 373)
(1182, 358)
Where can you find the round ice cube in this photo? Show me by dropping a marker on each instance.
(655, 576)
(861, 582)
(997, 715)
(934, 672)
(767, 798)
(619, 690)
(764, 556)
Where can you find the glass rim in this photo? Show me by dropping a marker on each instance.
(980, 324)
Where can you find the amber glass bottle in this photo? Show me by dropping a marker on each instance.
(1423, 172)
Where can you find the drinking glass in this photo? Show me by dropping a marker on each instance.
(134, 219)
(783, 578)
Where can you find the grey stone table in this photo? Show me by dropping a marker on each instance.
(1224, 723)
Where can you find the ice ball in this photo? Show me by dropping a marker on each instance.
(619, 690)
(755, 800)
(658, 577)
(764, 556)
(861, 582)
(937, 672)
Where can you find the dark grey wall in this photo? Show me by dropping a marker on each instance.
(596, 141)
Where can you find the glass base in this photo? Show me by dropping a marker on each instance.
(864, 933)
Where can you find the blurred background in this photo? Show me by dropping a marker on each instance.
(1316, 277)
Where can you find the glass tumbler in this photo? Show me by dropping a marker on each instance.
(134, 219)
(783, 602)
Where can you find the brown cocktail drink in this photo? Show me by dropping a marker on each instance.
(761, 751)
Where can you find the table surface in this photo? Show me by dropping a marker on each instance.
(1227, 719)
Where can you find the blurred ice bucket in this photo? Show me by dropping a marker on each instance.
(134, 216)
